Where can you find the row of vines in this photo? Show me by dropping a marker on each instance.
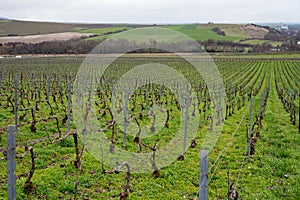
(52, 161)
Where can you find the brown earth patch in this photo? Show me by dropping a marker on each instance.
(45, 37)
(255, 32)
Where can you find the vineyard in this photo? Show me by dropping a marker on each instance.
(257, 155)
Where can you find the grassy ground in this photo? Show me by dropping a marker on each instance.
(277, 160)
(199, 32)
(203, 34)
(221, 26)
(234, 30)
(260, 56)
(237, 32)
(254, 42)
(272, 173)
(101, 31)
(191, 30)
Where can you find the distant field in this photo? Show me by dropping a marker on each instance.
(45, 37)
(239, 30)
(22, 28)
(13, 27)
(255, 31)
(191, 30)
(99, 38)
(254, 42)
(252, 34)
(101, 31)
(259, 56)
(202, 33)
(34, 32)
(221, 26)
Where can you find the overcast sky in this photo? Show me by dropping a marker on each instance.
(153, 11)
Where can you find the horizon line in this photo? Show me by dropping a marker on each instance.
(150, 23)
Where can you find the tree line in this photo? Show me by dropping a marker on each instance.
(79, 46)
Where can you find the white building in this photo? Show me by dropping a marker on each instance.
(18, 57)
(284, 27)
(298, 42)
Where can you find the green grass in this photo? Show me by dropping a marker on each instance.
(101, 31)
(277, 160)
(255, 41)
(260, 56)
(220, 26)
(145, 35)
(199, 32)
(203, 34)
(277, 153)
(78, 29)
(237, 32)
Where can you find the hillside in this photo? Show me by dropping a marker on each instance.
(218, 37)
(22, 28)
(65, 36)
(3, 18)
(239, 30)
(204, 32)
(201, 32)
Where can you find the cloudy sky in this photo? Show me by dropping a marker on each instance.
(153, 11)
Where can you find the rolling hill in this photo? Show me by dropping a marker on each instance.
(22, 28)
(3, 18)
(11, 30)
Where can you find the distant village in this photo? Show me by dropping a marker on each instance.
(292, 30)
